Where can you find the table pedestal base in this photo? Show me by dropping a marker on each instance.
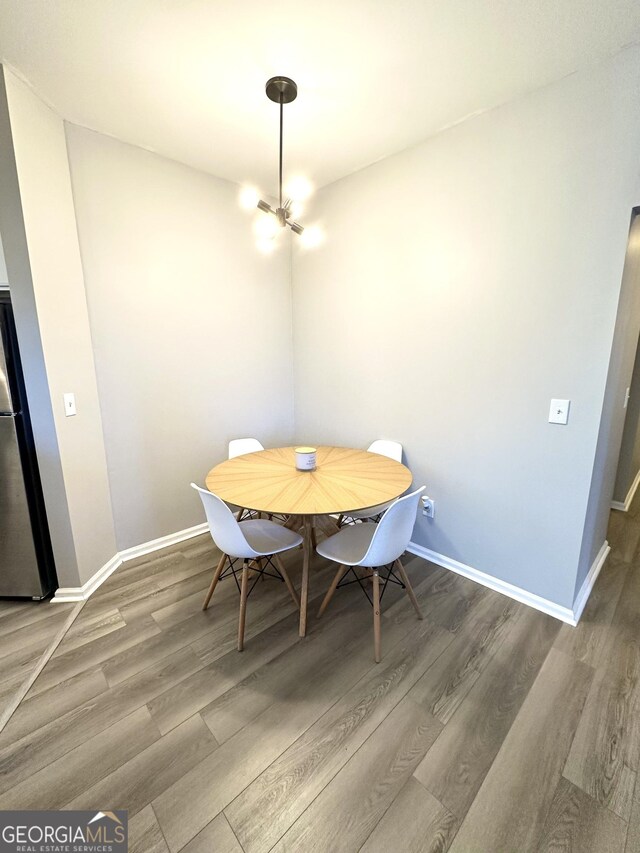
(307, 525)
(307, 545)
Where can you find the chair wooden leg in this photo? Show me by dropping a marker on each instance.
(410, 592)
(376, 616)
(334, 583)
(314, 539)
(285, 574)
(214, 582)
(240, 514)
(339, 521)
(244, 588)
(254, 568)
(327, 524)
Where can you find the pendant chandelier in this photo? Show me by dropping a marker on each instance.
(280, 90)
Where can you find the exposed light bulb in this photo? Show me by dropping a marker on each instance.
(266, 226)
(312, 237)
(296, 209)
(265, 245)
(299, 188)
(249, 198)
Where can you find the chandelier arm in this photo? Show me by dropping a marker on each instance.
(263, 205)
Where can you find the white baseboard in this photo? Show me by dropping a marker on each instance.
(570, 615)
(65, 594)
(565, 614)
(624, 507)
(81, 593)
(589, 582)
(163, 542)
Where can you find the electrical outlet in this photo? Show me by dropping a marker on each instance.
(559, 411)
(69, 405)
(428, 507)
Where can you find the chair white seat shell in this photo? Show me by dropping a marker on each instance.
(349, 545)
(267, 537)
(370, 512)
(385, 447)
(391, 449)
(257, 542)
(375, 548)
(240, 447)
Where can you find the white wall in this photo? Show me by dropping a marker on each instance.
(191, 327)
(45, 274)
(462, 285)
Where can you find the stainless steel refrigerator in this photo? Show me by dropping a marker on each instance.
(26, 561)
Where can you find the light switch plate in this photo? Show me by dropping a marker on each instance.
(559, 411)
(69, 405)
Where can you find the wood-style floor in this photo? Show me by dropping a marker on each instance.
(27, 628)
(487, 728)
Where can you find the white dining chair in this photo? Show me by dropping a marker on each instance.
(240, 447)
(257, 542)
(377, 549)
(385, 447)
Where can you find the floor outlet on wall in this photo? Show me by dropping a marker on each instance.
(428, 506)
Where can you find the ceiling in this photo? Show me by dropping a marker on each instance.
(186, 78)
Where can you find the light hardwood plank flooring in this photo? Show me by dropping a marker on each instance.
(488, 727)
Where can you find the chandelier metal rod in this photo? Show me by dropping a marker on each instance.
(281, 121)
(281, 90)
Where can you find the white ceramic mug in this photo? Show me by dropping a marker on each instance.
(306, 458)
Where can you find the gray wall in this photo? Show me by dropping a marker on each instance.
(629, 461)
(16, 255)
(45, 274)
(191, 327)
(607, 454)
(462, 285)
(4, 278)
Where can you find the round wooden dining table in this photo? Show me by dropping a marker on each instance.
(344, 480)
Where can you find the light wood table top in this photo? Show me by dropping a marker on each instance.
(345, 480)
